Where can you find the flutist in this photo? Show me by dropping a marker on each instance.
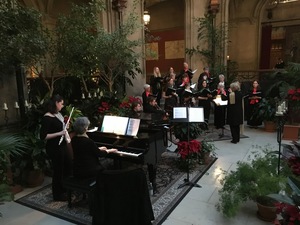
(52, 129)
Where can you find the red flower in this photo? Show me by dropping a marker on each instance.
(290, 213)
(66, 119)
(184, 148)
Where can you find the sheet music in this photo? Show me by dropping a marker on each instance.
(219, 101)
(133, 127)
(196, 114)
(93, 129)
(114, 124)
(194, 71)
(179, 113)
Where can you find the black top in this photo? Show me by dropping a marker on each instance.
(234, 111)
(86, 157)
(51, 125)
(182, 72)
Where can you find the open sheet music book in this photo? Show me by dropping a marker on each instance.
(170, 91)
(120, 125)
(219, 102)
(188, 114)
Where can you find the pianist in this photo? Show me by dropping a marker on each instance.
(86, 162)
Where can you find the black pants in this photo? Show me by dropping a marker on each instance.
(235, 133)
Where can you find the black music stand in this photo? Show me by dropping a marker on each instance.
(188, 115)
(280, 124)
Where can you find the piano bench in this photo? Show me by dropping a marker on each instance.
(83, 186)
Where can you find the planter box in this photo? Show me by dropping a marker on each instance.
(270, 126)
(291, 132)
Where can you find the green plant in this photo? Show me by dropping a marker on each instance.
(181, 131)
(252, 179)
(35, 156)
(211, 39)
(10, 145)
(107, 55)
(265, 110)
(208, 146)
(18, 45)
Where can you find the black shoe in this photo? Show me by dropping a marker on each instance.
(233, 142)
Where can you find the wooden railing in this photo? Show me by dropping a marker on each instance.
(250, 75)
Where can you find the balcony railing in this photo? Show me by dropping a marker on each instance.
(250, 75)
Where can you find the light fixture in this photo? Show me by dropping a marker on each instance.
(287, 1)
(146, 17)
(275, 2)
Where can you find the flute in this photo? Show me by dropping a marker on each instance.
(65, 127)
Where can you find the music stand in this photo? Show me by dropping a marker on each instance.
(188, 115)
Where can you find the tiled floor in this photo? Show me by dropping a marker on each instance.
(197, 208)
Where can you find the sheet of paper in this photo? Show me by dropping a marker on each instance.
(179, 113)
(114, 124)
(133, 127)
(196, 114)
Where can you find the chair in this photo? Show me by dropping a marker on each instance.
(121, 197)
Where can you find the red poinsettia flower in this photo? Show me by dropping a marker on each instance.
(104, 107)
(294, 94)
(290, 213)
(185, 148)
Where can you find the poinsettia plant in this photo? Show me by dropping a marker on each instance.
(290, 214)
(118, 108)
(294, 98)
(188, 148)
(294, 164)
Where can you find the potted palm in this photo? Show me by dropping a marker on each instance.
(253, 180)
(266, 111)
(34, 161)
(10, 145)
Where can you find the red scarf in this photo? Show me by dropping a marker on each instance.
(253, 101)
(219, 92)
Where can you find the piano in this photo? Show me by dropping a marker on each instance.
(145, 148)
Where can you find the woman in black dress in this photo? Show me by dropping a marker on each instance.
(204, 99)
(220, 110)
(170, 96)
(52, 130)
(254, 98)
(156, 82)
(234, 111)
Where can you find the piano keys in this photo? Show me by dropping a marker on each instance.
(145, 148)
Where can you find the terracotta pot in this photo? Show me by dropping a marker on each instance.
(270, 126)
(266, 210)
(206, 157)
(291, 132)
(33, 178)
